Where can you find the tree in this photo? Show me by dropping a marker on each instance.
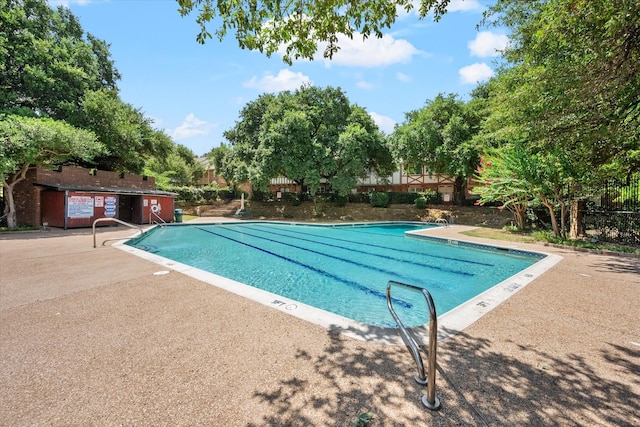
(439, 137)
(500, 183)
(125, 132)
(27, 141)
(519, 176)
(49, 67)
(227, 165)
(47, 63)
(299, 25)
(309, 136)
(574, 78)
(179, 167)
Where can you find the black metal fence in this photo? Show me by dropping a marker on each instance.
(614, 216)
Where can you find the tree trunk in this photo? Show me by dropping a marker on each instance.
(10, 208)
(518, 215)
(459, 191)
(576, 222)
(552, 214)
(8, 186)
(563, 219)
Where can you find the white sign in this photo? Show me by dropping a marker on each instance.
(99, 201)
(110, 206)
(80, 206)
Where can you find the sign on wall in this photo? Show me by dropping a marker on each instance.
(80, 206)
(110, 206)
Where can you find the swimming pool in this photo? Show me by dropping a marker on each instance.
(341, 269)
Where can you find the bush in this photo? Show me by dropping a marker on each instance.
(401, 198)
(200, 194)
(421, 202)
(359, 198)
(226, 194)
(340, 200)
(432, 197)
(379, 200)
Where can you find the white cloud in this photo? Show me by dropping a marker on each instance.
(475, 72)
(403, 77)
(464, 6)
(364, 85)
(488, 43)
(285, 80)
(192, 126)
(384, 123)
(372, 52)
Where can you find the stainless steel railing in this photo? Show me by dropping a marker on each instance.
(112, 220)
(159, 219)
(427, 377)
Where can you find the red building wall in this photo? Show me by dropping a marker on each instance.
(37, 204)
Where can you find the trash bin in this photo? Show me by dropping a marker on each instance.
(178, 214)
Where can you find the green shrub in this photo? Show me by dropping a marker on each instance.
(421, 202)
(359, 197)
(379, 200)
(432, 197)
(340, 200)
(226, 194)
(401, 198)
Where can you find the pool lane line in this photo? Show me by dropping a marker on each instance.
(348, 261)
(388, 248)
(388, 257)
(351, 283)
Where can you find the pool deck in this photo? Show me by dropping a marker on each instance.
(93, 337)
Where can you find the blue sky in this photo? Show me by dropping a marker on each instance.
(195, 92)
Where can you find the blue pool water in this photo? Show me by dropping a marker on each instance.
(340, 269)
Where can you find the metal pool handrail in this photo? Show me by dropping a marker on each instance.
(429, 377)
(152, 214)
(114, 220)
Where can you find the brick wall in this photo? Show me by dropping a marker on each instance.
(27, 195)
(27, 199)
(80, 176)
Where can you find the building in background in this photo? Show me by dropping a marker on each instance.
(71, 197)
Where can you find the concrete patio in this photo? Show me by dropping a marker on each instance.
(92, 337)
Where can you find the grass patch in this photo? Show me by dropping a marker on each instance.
(497, 234)
(19, 228)
(547, 237)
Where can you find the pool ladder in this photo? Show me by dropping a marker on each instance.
(423, 377)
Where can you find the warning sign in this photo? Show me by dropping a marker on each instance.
(80, 206)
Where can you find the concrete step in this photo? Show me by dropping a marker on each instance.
(228, 209)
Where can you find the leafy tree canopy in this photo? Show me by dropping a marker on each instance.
(25, 141)
(309, 135)
(49, 67)
(573, 79)
(47, 62)
(124, 130)
(300, 25)
(440, 137)
(178, 167)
